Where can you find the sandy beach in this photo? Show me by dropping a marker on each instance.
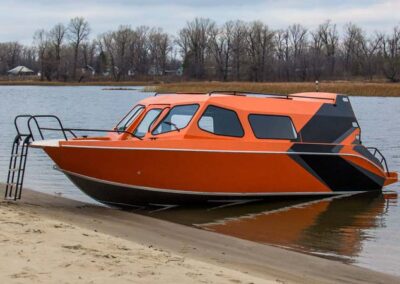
(38, 249)
(49, 239)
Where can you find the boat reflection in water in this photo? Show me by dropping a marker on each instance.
(334, 228)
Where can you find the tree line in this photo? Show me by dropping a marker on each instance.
(204, 50)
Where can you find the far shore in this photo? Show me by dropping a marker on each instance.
(351, 88)
(356, 88)
(48, 239)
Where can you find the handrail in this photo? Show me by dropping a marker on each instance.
(244, 93)
(71, 130)
(382, 159)
(16, 122)
(35, 119)
(287, 96)
(179, 93)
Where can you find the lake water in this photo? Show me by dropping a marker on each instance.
(363, 230)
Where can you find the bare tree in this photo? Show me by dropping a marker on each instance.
(297, 35)
(329, 37)
(10, 53)
(316, 56)
(42, 44)
(78, 32)
(369, 53)
(139, 51)
(194, 40)
(89, 50)
(107, 48)
(353, 39)
(391, 55)
(282, 54)
(238, 47)
(221, 47)
(234, 50)
(159, 48)
(56, 38)
(259, 46)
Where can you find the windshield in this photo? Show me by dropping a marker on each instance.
(129, 118)
(178, 117)
(147, 121)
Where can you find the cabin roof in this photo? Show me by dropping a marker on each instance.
(241, 100)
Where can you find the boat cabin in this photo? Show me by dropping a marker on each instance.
(303, 117)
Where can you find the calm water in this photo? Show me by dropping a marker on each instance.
(363, 230)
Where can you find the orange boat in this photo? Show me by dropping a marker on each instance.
(219, 146)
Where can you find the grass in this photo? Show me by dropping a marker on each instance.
(376, 89)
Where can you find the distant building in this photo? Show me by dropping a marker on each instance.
(20, 70)
(153, 71)
(177, 72)
(89, 69)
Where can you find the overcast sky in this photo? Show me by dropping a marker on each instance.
(20, 19)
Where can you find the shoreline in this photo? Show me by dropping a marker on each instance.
(201, 250)
(351, 88)
(77, 84)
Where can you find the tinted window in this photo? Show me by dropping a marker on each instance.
(129, 118)
(272, 127)
(146, 122)
(221, 121)
(177, 118)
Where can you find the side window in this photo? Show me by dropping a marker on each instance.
(177, 118)
(272, 127)
(146, 122)
(221, 121)
(129, 118)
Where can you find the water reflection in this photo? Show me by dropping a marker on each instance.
(331, 227)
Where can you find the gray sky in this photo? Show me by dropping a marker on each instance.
(20, 19)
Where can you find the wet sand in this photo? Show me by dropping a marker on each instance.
(48, 239)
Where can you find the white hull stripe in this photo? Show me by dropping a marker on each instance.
(176, 191)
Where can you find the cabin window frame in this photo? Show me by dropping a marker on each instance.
(151, 124)
(139, 111)
(274, 115)
(166, 115)
(217, 134)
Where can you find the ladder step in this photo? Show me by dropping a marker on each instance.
(17, 155)
(17, 165)
(9, 198)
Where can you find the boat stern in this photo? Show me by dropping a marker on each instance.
(391, 177)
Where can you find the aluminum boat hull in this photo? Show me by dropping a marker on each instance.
(129, 177)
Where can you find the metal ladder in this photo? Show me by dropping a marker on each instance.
(16, 170)
(19, 151)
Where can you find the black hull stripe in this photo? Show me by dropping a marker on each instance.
(341, 175)
(200, 193)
